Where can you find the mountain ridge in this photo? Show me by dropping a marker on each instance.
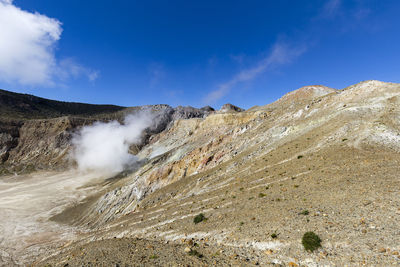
(35, 132)
(261, 177)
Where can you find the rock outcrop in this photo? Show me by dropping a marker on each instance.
(230, 108)
(9, 133)
(35, 133)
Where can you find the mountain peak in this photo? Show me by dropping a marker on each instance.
(230, 108)
(308, 93)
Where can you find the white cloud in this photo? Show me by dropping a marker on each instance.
(281, 54)
(69, 69)
(26, 45)
(93, 75)
(27, 48)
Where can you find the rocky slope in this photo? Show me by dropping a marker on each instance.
(35, 133)
(318, 159)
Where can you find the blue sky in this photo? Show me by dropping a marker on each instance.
(194, 52)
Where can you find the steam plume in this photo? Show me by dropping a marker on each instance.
(104, 147)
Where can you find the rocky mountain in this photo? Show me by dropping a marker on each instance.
(35, 133)
(227, 188)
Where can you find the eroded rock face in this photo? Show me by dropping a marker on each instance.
(26, 145)
(44, 143)
(7, 142)
(9, 133)
(194, 146)
(164, 115)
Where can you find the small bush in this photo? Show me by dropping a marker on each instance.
(311, 241)
(274, 235)
(194, 252)
(153, 257)
(261, 195)
(304, 212)
(299, 156)
(199, 218)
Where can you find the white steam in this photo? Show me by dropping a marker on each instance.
(104, 147)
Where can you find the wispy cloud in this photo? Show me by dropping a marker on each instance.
(330, 9)
(27, 49)
(157, 73)
(70, 69)
(282, 53)
(344, 16)
(346, 19)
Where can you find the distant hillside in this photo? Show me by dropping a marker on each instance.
(24, 106)
(38, 131)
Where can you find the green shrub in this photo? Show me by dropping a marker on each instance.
(274, 235)
(261, 195)
(199, 218)
(299, 156)
(304, 212)
(194, 252)
(311, 241)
